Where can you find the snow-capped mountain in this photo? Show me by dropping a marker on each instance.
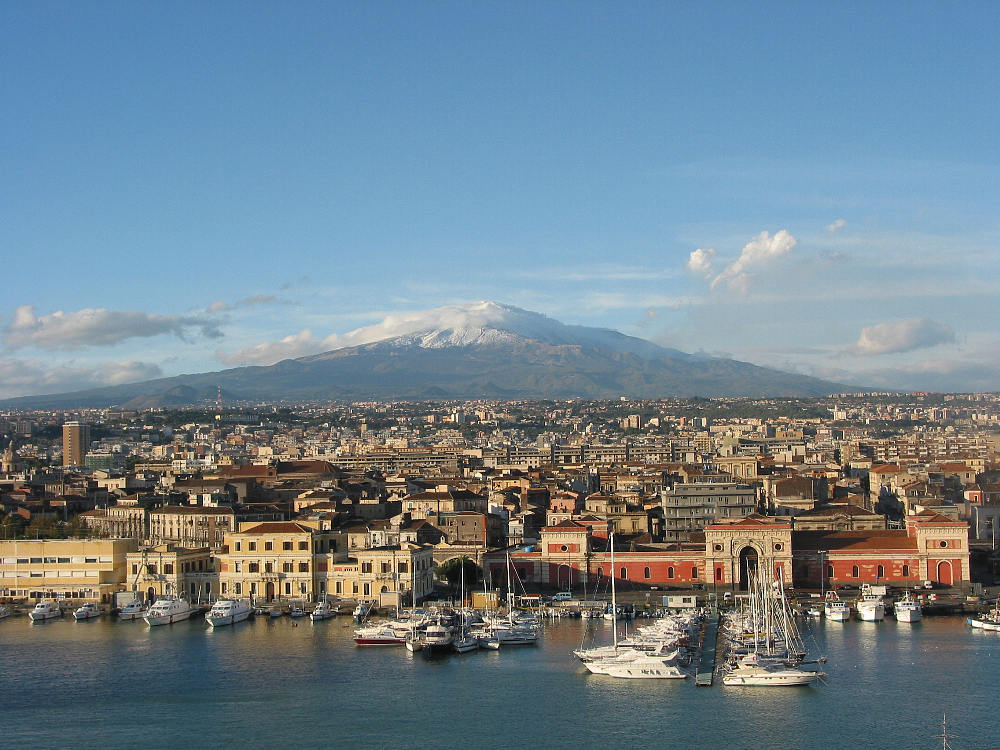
(491, 324)
(481, 350)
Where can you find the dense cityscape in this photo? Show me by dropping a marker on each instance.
(380, 495)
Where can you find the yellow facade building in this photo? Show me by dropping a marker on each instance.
(86, 569)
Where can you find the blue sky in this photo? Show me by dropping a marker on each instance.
(182, 185)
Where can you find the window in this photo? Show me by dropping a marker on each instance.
(366, 567)
(624, 574)
(564, 548)
(268, 545)
(223, 587)
(288, 587)
(600, 572)
(252, 546)
(880, 571)
(386, 567)
(403, 567)
(717, 547)
(777, 546)
(151, 569)
(268, 568)
(135, 569)
(168, 569)
(645, 572)
(829, 571)
(286, 545)
(944, 543)
(718, 574)
(238, 588)
(237, 569)
(368, 589)
(304, 545)
(670, 572)
(238, 546)
(694, 572)
(303, 567)
(254, 567)
(855, 572)
(338, 587)
(906, 571)
(287, 567)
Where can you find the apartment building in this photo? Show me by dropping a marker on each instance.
(690, 507)
(87, 569)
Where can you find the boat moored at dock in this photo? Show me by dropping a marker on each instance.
(45, 610)
(168, 610)
(228, 612)
(87, 611)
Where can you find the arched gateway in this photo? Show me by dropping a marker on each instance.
(748, 566)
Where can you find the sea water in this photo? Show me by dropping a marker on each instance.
(276, 683)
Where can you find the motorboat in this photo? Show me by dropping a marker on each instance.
(297, 612)
(87, 611)
(134, 610)
(645, 667)
(907, 609)
(380, 635)
(168, 610)
(228, 612)
(870, 607)
(45, 610)
(322, 611)
(465, 643)
(836, 609)
(438, 638)
(752, 672)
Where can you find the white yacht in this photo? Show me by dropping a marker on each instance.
(870, 606)
(907, 609)
(322, 611)
(134, 610)
(836, 609)
(438, 637)
(646, 667)
(228, 612)
(45, 610)
(168, 610)
(751, 672)
(86, 612)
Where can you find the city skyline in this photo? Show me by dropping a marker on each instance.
(193, 188)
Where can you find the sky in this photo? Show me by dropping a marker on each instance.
(808, 186)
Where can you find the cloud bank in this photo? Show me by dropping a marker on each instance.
(895, 336)
(96, 327)
(20, 377)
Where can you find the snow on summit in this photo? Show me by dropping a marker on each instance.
(486, 323)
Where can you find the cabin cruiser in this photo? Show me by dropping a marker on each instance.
(88, 611)
(870, 607)
(134, 610)
(168, 610)
(297, 612)
(438, 637)
(45, 610)
(228, 612)
(322, 611)
(836, 609)
(752, 672)
(907, 609)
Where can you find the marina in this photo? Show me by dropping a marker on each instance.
(271, 676)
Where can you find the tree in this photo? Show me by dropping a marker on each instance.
(451, 571)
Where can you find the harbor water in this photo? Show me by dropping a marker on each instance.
(275, 683)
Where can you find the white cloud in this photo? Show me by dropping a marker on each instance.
(95, 327)
(298, 344)
(758, 252)
(897, 336)
(836, 226)
(28, 377)
(257, 299)
(700, 261)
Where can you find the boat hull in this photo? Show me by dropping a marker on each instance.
(167, 619)
(43, 616)
(218, 622)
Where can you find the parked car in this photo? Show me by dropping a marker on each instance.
(563, 596)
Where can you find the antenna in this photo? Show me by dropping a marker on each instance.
(944, 736)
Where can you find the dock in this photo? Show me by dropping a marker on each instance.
(706, 665)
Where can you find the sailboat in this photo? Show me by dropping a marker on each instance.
(464, 642)
(776, 647)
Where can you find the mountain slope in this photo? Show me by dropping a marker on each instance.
(486, 350)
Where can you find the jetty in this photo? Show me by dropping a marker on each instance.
(706, 664)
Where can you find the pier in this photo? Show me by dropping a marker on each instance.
(706, 664)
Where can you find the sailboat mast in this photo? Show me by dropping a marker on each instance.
(614, 598)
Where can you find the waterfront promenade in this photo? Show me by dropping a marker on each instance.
(274, 682)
